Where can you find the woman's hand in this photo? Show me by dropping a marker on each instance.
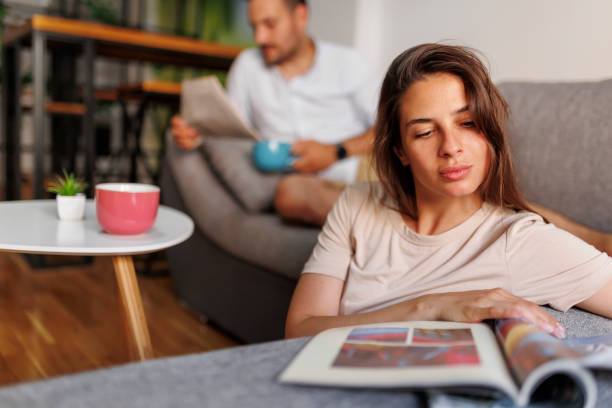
(475, 306)
(185, 136)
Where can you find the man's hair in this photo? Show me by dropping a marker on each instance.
(293, 3)
(487, 105)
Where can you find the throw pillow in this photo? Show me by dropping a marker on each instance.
(231, 160)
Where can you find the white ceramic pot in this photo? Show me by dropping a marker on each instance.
(70, 208)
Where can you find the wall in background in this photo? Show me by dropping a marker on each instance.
(549, 40)
(333, 20)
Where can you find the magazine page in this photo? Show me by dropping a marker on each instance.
(544, 366)
(206, 107)
(403, 354)
(596, 351)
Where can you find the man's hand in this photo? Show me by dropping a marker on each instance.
(313, 156)
(477, 305)
(184, 136)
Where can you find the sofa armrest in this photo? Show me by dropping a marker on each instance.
(262, 239)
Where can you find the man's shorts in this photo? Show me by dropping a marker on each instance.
(365, 172)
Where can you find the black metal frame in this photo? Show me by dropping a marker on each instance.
(89, 49)
(11, 119)
(132, 131)
(12, 111)
(39, 78)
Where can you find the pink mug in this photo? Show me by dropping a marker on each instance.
(126, 208)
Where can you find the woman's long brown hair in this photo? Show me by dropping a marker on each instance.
(487, 105)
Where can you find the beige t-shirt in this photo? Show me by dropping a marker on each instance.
(383, 261)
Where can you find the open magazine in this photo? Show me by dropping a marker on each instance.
(512, 357)
(206, 107)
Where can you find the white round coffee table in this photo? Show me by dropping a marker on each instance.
(33, 227)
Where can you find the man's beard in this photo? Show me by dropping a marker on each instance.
(282, 57)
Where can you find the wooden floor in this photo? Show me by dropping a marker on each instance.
(64, 320)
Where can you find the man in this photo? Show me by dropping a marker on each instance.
(318, 96)
(322, 98)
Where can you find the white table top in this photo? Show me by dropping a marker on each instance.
(34, 227)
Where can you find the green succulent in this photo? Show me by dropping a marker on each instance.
(68, 185)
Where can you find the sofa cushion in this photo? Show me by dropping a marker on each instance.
(231, 161)
(561, 137)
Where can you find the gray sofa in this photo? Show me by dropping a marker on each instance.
(240, 267)
(240, 376)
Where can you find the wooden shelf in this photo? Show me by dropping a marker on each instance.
(107, 94)
(126, 92)
(65, 108)
(59, 108)
(153, 88)
(126, 43)
(165, 87)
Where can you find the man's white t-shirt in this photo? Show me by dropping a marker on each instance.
(334, 101)
(382, 261)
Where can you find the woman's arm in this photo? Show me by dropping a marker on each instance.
(315, 307)
(600, 303)
(598, 239)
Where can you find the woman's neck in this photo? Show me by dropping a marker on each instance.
(440, 215)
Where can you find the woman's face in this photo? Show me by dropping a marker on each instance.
(448, 156)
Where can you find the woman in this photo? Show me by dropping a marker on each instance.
(446, 234)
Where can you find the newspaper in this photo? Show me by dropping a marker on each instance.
(206, 107)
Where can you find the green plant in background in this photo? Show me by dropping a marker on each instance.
(68, 185)
(3, 11)
(221, 21)
(102, 11)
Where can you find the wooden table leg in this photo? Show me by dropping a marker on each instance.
(136, 323)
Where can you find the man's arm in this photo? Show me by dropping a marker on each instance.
(598, 239)
(315, 156)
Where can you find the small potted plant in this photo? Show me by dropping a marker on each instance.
(70, 197)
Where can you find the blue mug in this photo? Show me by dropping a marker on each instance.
(272, 155)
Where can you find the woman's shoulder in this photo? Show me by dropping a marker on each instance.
(364, 186)
(363, 198)
(370, 193)
(521, 221)
(503, 221)
(526, 229)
